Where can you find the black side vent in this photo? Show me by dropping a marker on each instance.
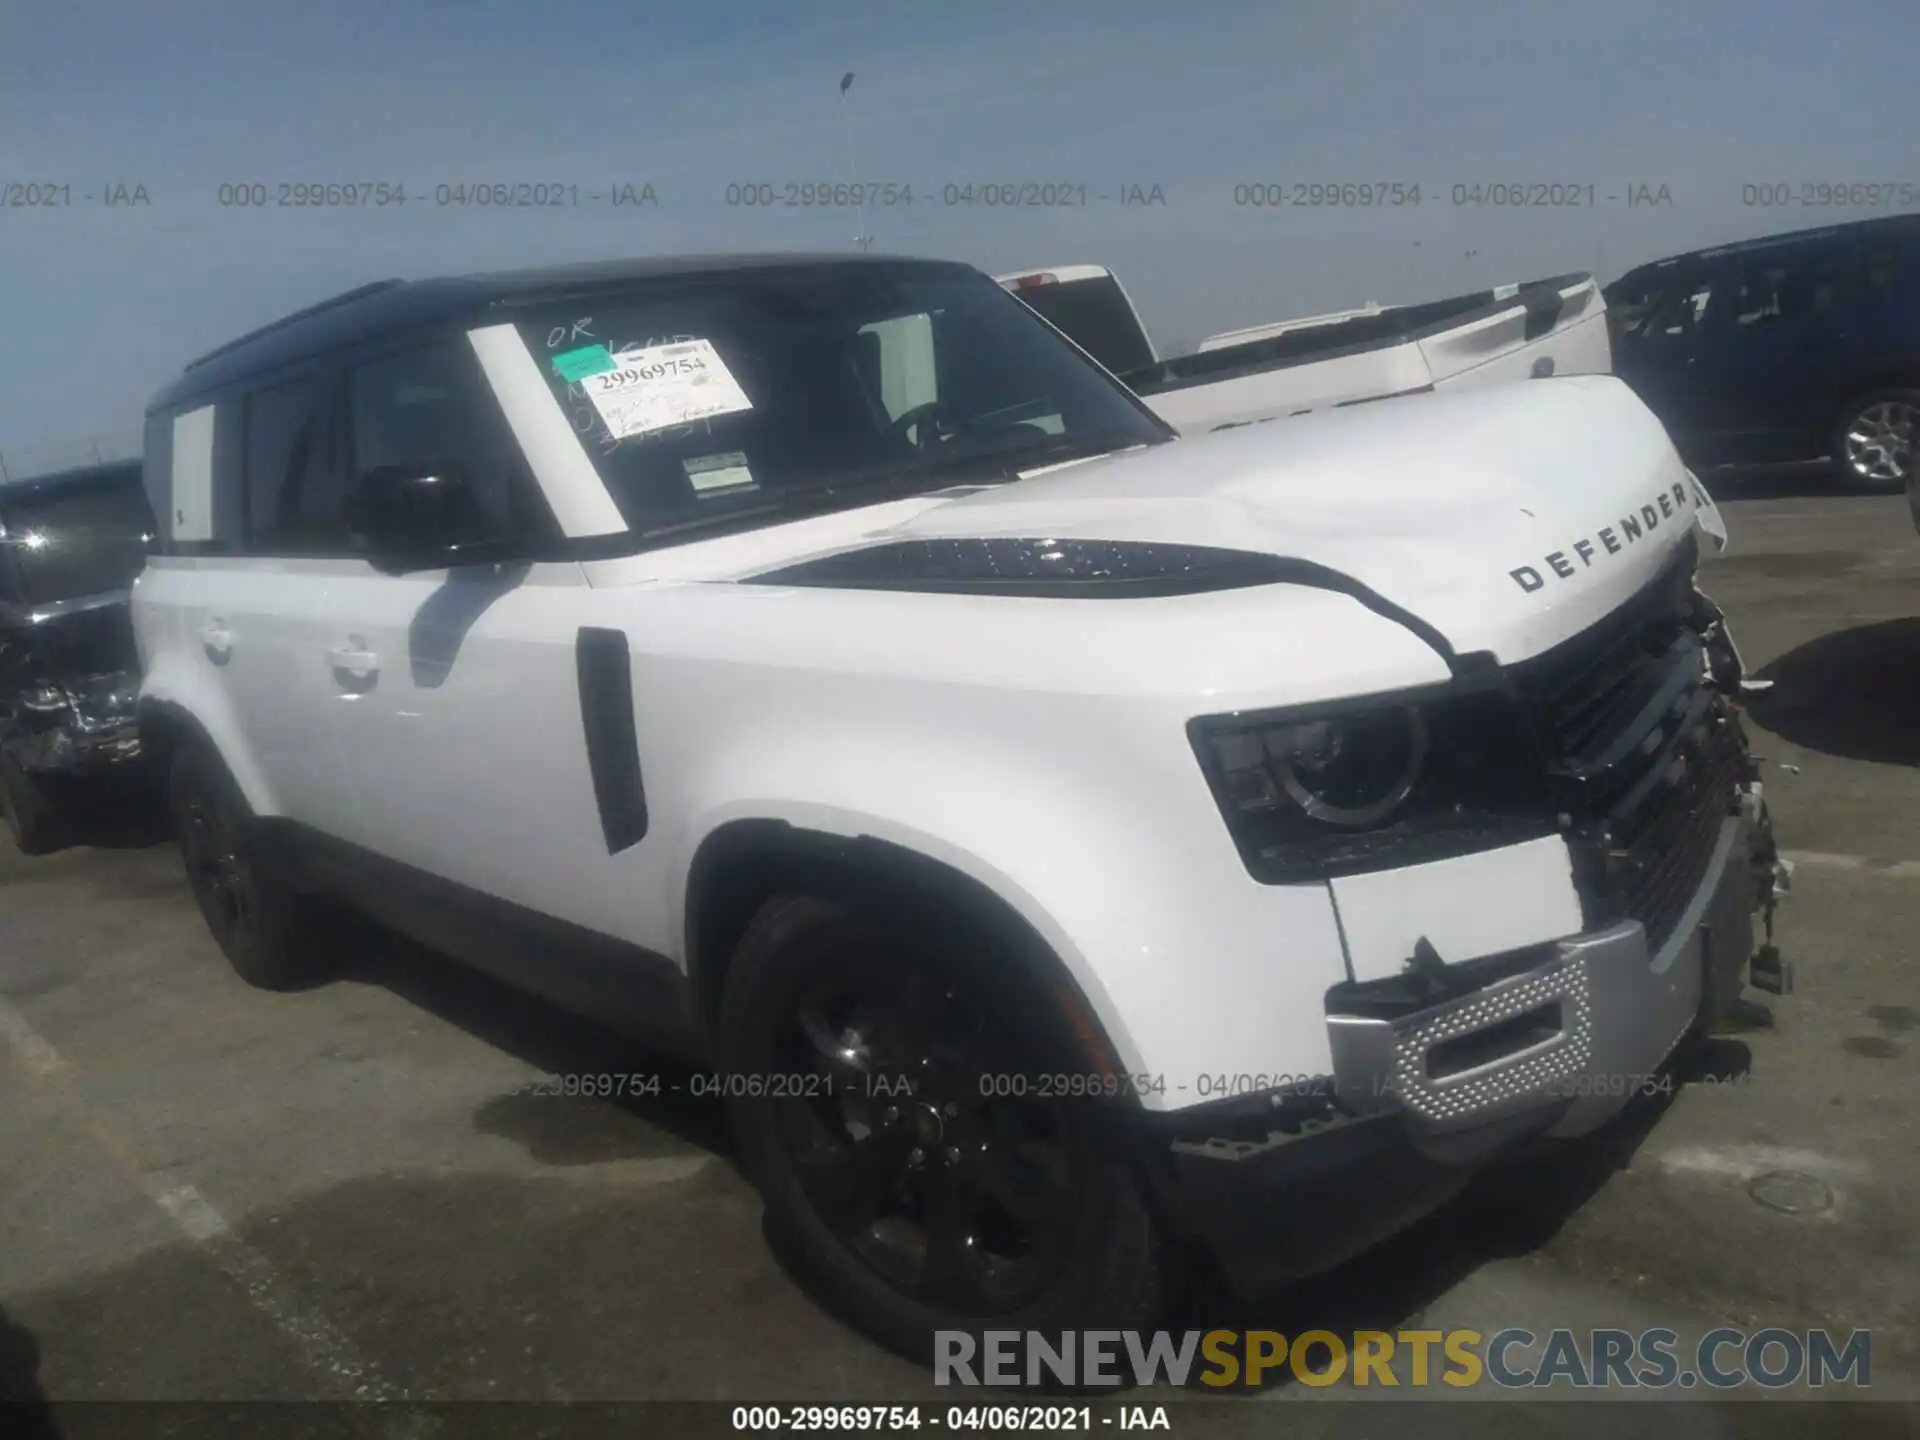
(613, 748)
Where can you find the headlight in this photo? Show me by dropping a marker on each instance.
(44, 699)
(1350, 772)
(1399, 780)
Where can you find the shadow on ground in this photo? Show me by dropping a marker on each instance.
(464, 1287)
(1508, 1211)
(1809, 480)
(1852, 693)
(23, 1405)
(557, 1126)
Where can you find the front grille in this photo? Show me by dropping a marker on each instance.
(1644, 758)
(1593, 688)
(1655, 856)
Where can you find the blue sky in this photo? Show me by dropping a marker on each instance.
(101, 305)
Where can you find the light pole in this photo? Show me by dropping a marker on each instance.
(862, 239)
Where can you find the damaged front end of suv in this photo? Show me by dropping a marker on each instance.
(70, 546)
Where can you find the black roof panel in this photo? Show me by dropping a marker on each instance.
(106, 472)
(390, 305)
(1894, 223)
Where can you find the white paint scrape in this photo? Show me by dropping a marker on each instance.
(1749, 1162)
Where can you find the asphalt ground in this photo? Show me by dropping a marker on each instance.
(213, 1194)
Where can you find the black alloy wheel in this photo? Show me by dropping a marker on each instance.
(250, 913)
(895, 1091)
(962, 1199)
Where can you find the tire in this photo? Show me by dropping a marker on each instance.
(1874, 442)
(34, 821)
(250, 912)
(1084, 1251)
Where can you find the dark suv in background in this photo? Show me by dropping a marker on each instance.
(70, 547)
(1792, 348)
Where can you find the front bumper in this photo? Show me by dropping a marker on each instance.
(1546, 1043)
(79, 745)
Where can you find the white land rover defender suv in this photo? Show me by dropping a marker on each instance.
(1079, 852)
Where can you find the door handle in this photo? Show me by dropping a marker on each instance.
(353, 659)
(216, 639)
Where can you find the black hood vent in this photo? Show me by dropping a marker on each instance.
(1081, 570)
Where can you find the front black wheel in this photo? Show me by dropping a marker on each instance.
(33, 819)
(249, 911)
(895, 1095)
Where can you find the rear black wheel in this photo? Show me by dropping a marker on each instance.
(249, 911)
(33, 819)
(888, 1101)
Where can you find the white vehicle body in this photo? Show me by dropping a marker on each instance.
(1036, 744)
(1227, 339)
(1267, 372)
(1470, 352)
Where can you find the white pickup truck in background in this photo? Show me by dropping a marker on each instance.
(1555, 326)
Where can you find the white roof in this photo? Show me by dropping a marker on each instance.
(1062, 273)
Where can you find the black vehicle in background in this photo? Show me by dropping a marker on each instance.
(70, 547)
(1792, 348)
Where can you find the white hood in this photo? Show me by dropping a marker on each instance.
(1509, 518)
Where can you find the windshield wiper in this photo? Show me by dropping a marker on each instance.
(1083, 447)
(800, 502)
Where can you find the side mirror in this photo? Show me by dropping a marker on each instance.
(418, 517)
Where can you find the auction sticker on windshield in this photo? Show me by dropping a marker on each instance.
(659, 386)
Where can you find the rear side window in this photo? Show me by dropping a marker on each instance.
(1789, 289)
(1676, 316)
(292, 488)
(1886, 261)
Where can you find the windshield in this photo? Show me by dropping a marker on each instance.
(1098, 317)
(78, 539)
(699, 399)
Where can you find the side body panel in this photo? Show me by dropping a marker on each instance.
(467, 744)
(240, 645)
(1063, 788)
